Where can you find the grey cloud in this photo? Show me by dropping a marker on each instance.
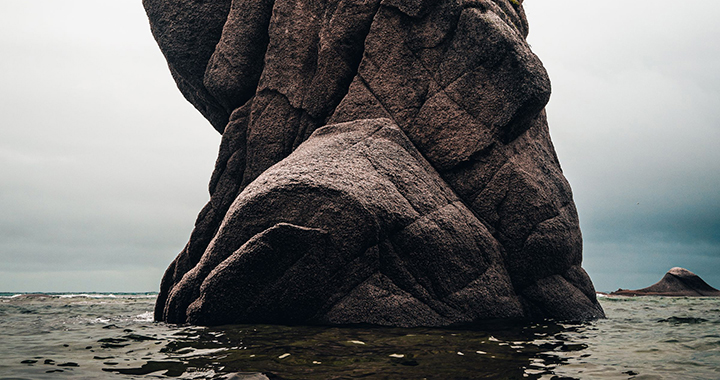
(104, 165)
(635, 117)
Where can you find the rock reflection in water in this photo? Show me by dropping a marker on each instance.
(492, 351)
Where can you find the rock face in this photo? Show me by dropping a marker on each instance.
(382, 161)
(677, 282)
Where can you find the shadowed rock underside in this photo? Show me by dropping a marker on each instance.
(382, 161)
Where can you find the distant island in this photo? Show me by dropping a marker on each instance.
(677, 282)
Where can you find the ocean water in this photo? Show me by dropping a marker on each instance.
(112, 336)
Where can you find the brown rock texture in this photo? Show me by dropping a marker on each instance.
(677, 282)
(382, 161)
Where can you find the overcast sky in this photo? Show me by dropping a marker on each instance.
(104, 166)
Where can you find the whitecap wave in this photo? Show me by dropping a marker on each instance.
(87, 295)
(144, 317)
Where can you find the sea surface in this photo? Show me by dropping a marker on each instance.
(113, 336)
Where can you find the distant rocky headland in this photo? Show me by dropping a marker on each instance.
(677, 282)
(382, 161)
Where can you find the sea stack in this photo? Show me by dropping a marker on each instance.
(383, 162)
(677, 282)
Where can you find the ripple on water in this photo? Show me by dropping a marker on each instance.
(96, 337)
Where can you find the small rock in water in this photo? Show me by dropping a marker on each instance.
(29, 361)
(676, 282)
(68, 364)
(49, 361)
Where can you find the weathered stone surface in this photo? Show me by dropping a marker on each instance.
(187, 32)
(382, 161)
(677, 282)
(353, 226)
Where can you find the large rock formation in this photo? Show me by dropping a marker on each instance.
(677, 282)
(382, 161)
